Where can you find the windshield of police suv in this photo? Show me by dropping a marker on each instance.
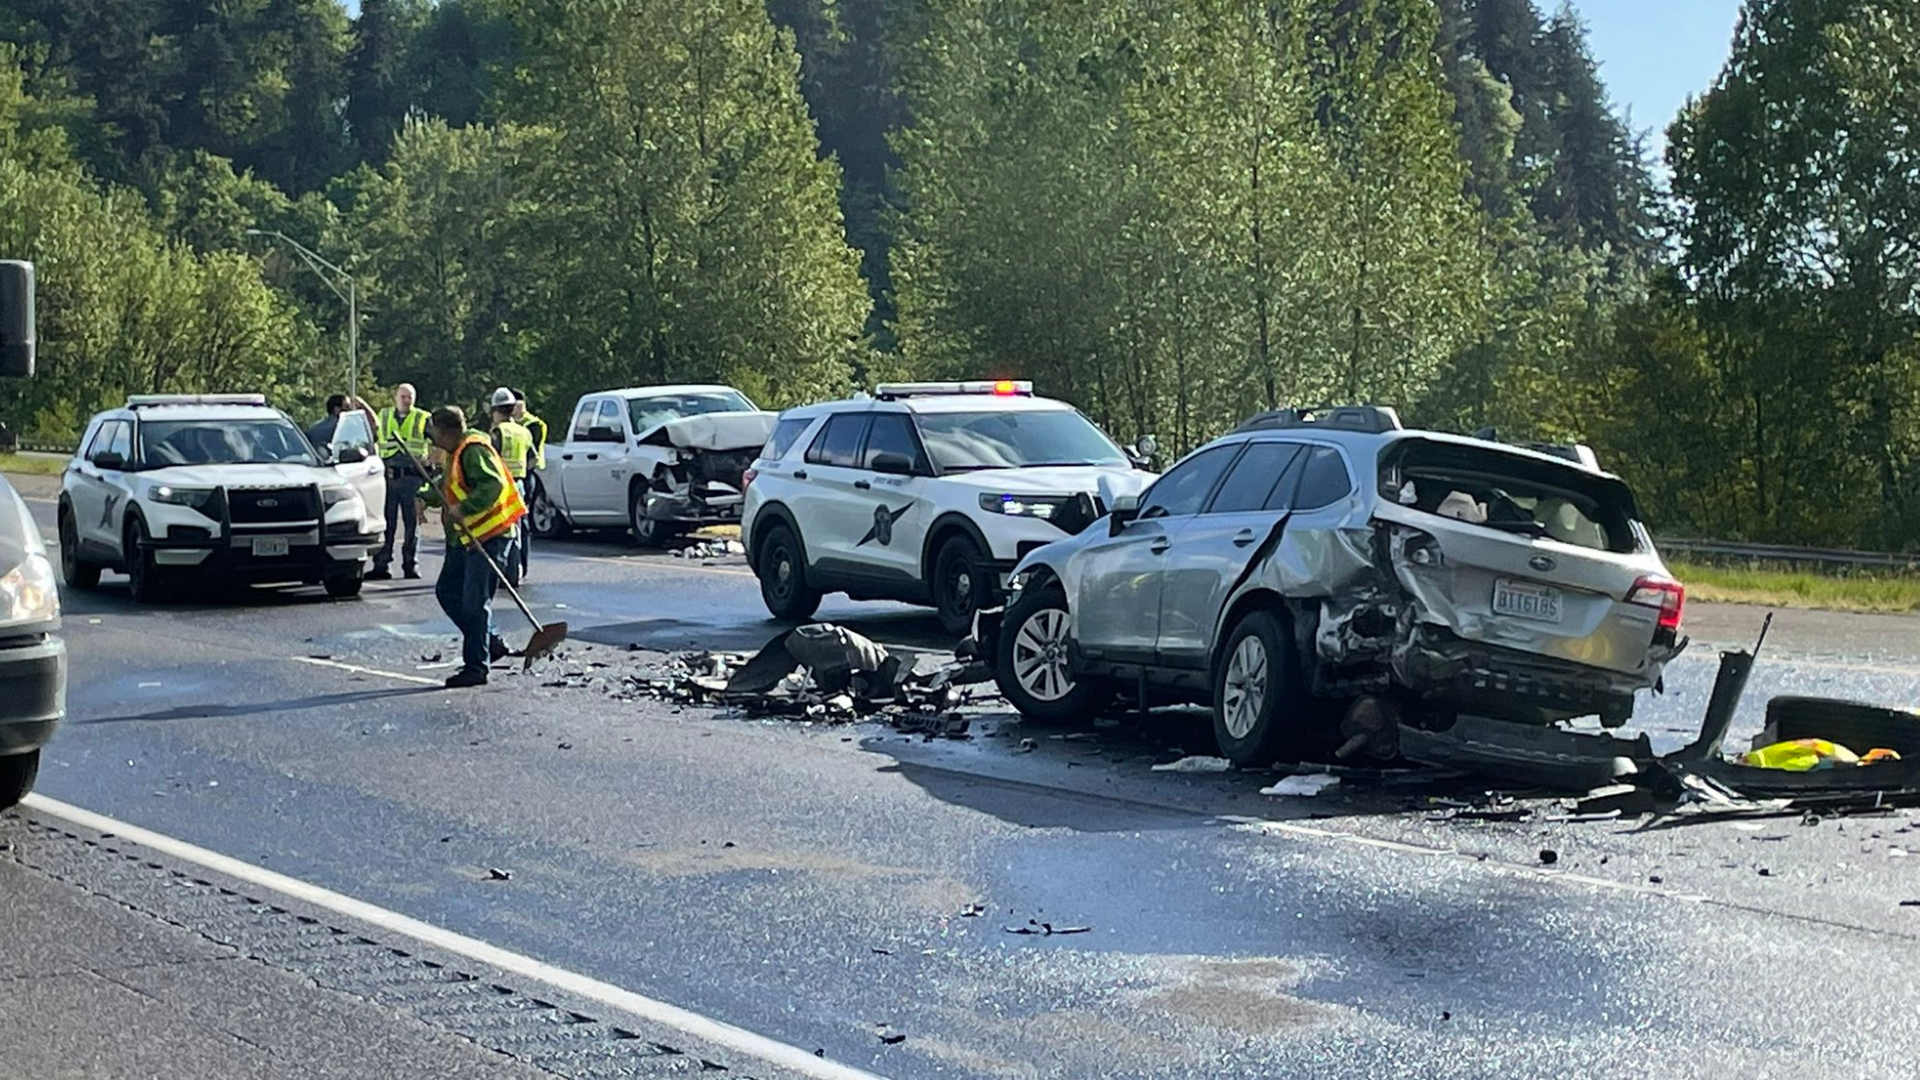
(165, 443)
(964, 441)
(648, 413)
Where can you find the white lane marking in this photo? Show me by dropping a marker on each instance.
(717, 1032)
(358, 670)
(657, 563)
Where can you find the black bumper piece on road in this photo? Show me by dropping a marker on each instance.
(33, 691)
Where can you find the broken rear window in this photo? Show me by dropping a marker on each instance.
(1511, 493)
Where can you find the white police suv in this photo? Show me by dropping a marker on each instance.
(220, 483)
(925, 492)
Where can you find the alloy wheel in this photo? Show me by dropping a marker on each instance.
(1246, 689)
(1040, 655)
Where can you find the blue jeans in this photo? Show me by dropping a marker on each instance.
(465, 590)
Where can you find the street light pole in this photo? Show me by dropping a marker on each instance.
(321, 269)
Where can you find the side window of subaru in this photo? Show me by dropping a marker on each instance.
(1252, 480)
(1325, 480)
(1184, 489)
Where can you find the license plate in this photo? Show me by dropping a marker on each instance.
(1525, 601)
(269, 546)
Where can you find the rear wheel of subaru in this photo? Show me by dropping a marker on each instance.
(1258, 703)
(79, 572)
(782, 570)
(1032, 661)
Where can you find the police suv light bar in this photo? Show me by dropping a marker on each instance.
(138, 401)
(997, 388)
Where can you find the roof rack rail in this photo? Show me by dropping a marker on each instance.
(147, 401)
(1579, 453)
(1370, 419)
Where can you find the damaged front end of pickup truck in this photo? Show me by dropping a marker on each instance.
(1484, 586)
(696, 471)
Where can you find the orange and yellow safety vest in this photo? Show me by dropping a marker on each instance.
(491, 521)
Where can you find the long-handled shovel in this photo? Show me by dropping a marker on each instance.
(546, 636)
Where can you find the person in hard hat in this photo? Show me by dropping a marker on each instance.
(537, 428)
(515, 445)
(480, 507)
(403, 446)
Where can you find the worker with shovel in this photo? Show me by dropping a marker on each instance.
(480, 506)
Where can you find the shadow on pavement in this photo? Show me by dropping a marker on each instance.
(213, 712)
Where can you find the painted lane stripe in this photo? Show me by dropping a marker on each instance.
(717, 1032)
(358, 670)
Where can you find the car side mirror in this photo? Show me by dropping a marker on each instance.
(107, 459)
(893, 463)
(350, 455)
(1141, 452)
(602, 434)
(1125, 509)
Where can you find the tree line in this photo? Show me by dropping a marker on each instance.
(1171, 212)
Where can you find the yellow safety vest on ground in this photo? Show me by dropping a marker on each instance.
(409, 431)
(495, 520)
(538, 429)
(515, 444)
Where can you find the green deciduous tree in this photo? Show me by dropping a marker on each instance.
(1801, 231)
(690, 229)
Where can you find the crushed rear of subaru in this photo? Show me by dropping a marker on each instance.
(1487, 581)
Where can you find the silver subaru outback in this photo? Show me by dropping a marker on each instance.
(1322, 570)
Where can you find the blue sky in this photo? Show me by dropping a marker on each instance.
(1652, 53)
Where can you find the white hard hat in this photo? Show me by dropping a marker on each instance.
(502, 398)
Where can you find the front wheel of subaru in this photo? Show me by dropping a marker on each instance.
(1032, 661)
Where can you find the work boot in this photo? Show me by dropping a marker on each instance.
(498, 649)
(412, 574)
(380, 573)
(460, 680)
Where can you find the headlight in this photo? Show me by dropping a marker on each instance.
(29, 592)
(1034, 506)
(197, 498)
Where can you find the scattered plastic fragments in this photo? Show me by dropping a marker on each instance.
(1195, 764)
(1304, 784)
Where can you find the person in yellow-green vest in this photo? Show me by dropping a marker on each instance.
(515, 444)
(403, 430)
(481, 508)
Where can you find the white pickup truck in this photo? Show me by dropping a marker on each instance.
(661, 460)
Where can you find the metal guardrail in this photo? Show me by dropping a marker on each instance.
(1791, 556)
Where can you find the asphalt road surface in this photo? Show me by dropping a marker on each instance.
(299, 834)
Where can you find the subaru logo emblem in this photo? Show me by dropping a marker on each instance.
(270, 503)
(1541, 563)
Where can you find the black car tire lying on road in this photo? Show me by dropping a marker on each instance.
(1858, 726)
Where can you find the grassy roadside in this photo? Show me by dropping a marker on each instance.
(1797, 589)
(32, 464)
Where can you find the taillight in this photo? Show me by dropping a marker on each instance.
(1664, 593)
(746, 479)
